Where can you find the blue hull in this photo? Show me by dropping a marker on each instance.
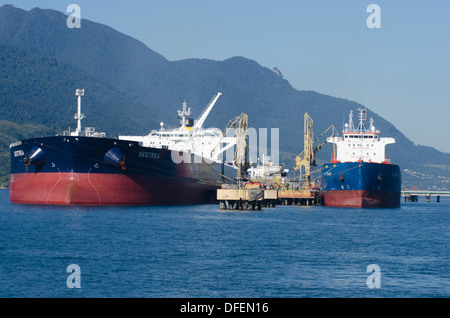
(361, 184)
(103, 171)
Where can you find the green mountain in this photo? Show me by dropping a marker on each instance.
(130, 89)
(37, 98)
(40, 90)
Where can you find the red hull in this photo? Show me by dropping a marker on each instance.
(360, 198)
(105, 189)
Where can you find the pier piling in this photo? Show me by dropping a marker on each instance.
(413, 195)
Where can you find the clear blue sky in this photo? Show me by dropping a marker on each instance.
(401, 71)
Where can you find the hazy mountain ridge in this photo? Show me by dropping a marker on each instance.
(152, 88)
(40, 90)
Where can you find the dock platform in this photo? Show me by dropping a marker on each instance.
(240, 199)
(270, 198)
(298, 197)
(413, 195)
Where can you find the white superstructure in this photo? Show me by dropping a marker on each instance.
(360, 143)
(190, 137)
(265, 169)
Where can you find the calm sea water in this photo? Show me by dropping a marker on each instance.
(199, 251)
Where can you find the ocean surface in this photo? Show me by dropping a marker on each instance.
(201, 251)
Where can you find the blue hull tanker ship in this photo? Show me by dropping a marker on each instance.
(167, 166)
(360, 175)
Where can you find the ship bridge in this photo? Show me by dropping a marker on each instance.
(361, 144)
(190, 136)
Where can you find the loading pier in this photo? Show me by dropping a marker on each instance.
(298, 197)
(413, 195)
(267, 184)
(240, 199)
(254, 197)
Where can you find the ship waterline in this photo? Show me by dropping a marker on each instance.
(360, 184)
(80, 171)
(168, 166)
(360, 175)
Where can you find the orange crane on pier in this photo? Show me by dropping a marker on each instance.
(307, 157)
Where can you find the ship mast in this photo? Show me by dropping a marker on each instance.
(79, 115)
(362, 117)
(185, 112)
(350, 122)
(361, 129)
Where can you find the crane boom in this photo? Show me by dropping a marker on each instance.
(241, 155)
(199, 122)
(308, 156)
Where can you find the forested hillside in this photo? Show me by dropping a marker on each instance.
(131, 88)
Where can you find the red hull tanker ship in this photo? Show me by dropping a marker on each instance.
(167, 166)
(360, 175)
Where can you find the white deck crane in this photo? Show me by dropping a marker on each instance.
(199, 122)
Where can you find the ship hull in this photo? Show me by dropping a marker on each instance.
(361, 184)
(101, 171)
